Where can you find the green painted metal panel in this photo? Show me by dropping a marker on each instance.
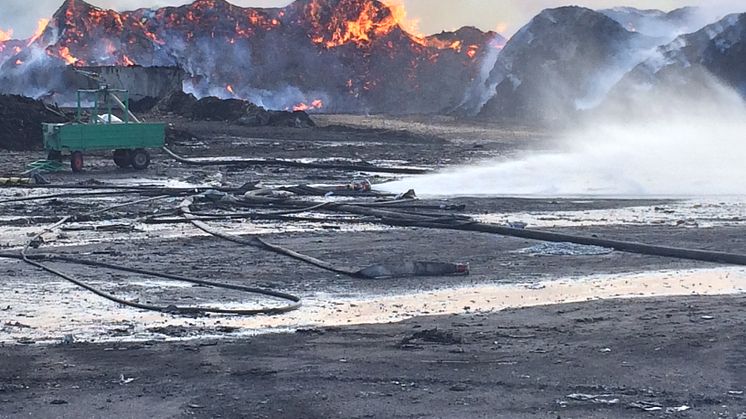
(82, 137)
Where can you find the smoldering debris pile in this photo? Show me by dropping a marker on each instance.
(178, 103)
(571, 60)
(551, 51)
(20, 122)
(236, 111)
(356, 56)
(330, 55)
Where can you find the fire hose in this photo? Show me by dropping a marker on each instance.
(377, 271)
(361, 167)
(381, 212)
(258, 242)
(33, 260)
(399, 219)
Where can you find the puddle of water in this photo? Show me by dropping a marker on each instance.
(160, 182)
(54, 309)
(14, 237)
(690, 213)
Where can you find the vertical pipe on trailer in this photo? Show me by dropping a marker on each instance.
(96, 102)
(125, 108)
(78, 115)
(127, 104)
(108, 106)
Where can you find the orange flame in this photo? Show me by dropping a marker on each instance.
(19, 62)
(40, 27)
(371, 20)
(229, 88)
(472, 51)
(316, 104)
(399, 12)
(6, 35)
(64, 53)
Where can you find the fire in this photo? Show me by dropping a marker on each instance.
(360, 30)
(64, 53)
(399, 11)
(6, 35)
(356, 35)
(472, 51)
(153, 37)
(362, 23)
(19, 62)
(41, 26)
(316, 104)
(373, 21)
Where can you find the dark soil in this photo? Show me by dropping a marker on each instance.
(20, 122)
(610, 359)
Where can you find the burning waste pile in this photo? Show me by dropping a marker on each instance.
(331, 55)
(358, 56)
(236, 111)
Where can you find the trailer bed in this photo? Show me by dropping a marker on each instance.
(68, 138)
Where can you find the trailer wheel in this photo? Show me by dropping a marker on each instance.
(140, 159)
(76, 162)
(122, 158)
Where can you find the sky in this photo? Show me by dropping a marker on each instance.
(430, 16)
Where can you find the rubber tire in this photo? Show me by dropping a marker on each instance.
(140, 159)
(122, 158)
(54, 156)
(76, 162)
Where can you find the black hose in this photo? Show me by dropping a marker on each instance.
(261, 244)
(32, 260)
(112, 190)
(459, 223)
(293, 163)
(68, 195)
(165, 309)
(622, 246)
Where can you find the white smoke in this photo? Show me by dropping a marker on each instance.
(279, 99)
(476, 92)
(664, 143)
(716, 10)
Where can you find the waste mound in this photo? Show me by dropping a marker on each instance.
(20, 122)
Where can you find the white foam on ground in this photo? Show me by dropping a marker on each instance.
(691, 213)
(50, 310)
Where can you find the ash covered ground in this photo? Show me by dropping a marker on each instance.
(491, 344)
(644, 116)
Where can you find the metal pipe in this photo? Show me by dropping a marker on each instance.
(125, 108)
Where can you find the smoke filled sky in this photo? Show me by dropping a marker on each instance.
(430, 16)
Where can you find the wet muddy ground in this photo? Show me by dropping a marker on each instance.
(663, 355)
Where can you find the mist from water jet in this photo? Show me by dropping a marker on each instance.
(667, 142)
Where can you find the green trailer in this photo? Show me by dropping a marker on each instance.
(97, 128)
